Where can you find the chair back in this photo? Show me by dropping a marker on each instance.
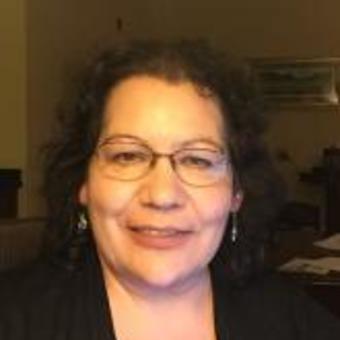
(21, 241)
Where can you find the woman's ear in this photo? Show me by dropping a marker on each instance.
(236, 201)
(82, 194)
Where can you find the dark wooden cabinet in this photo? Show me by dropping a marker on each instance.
(10, 183)
(300, 244)
(327, 294)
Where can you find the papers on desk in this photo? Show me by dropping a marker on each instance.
(320, 266)
(332, 242)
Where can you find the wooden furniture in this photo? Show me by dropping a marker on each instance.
(332, 217)
(299, 243)
(326, 293)
(296, 215)
(21, 241)
(10, 182)
(327, 176)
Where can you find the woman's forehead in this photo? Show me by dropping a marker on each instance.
(149, 107)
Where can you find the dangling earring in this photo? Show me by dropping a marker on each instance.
(234, 227)
(82, 224)
(81, 230)
(77, 246)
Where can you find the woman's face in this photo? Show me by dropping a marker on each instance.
(157, 230)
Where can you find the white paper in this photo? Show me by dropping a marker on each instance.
(332, 242)
(320, 266)
(331, 263)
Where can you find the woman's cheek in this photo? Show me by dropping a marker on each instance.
(109, 198)
(214, 206)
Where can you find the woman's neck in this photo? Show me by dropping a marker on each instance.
(150, 312)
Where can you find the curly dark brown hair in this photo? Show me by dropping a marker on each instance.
(67, 155)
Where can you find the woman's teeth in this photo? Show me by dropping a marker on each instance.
(158, 231)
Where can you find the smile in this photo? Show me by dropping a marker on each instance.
(159, 237)
(154, 231)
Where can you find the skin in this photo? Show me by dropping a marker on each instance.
(165, 116)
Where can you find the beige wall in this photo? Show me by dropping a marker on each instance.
(262, 28)
(251, 28)
(61, 32)
(12, 86)
(267, 28)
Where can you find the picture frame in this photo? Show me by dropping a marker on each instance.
(288, 81)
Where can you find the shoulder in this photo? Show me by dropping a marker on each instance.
(34, 297)
(281, 310)
(39, 301)
(58, 296)
(268, 307)
(31, 282)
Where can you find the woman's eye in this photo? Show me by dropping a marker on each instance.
(197, 162)
(126, 158)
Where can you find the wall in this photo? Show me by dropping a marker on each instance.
(257, 28)
(12, 87)
(266, 28)
(61, 32)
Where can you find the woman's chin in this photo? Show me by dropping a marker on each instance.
(165, 281)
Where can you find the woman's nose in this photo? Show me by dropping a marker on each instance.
(162, 188)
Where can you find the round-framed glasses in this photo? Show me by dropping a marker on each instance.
(130, 161)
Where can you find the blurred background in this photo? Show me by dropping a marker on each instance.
(42, 43)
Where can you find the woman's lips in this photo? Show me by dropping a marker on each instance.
(159, 237)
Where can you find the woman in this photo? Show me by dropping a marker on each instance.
(161, 164)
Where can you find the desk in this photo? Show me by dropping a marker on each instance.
(324, 288)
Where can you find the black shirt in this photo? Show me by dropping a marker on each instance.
(53, 302)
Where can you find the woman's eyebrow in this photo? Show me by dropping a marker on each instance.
(200, 140)
(177, 145)
(121, 136)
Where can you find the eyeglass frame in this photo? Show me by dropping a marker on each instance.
(154, 156)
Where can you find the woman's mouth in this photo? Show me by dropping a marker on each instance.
(159, 237)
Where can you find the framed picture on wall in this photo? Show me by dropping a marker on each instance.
(298, 81)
